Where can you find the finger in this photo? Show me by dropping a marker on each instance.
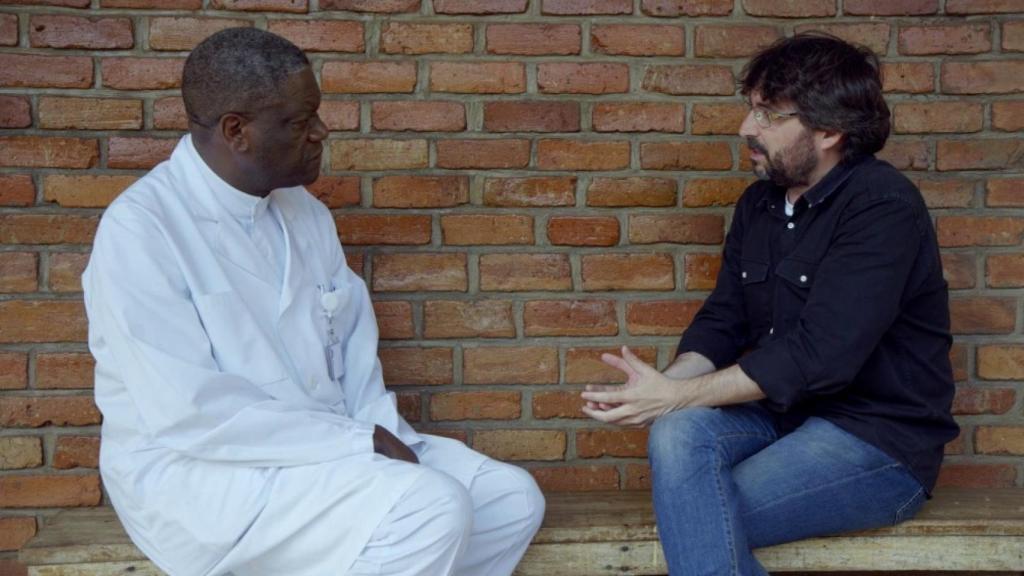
(599, 415)
(634, 361)
(618, 415)
(614, 396)
(616, 362)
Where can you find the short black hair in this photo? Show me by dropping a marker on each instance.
(237, 70)
(834, 84)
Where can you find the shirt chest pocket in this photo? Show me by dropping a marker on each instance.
(756, 295)
(797, 277)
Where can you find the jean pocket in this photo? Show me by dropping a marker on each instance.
(910, 508)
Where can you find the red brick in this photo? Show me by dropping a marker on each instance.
(533, 39)
(169, 114)
(584, 365)
(142, 73)
(48, 152)
(15, 532)
(49, 491)
(570, 318)
(906, 154)
(623, 443)
(17, 190)
(956, 445)
(418, 116)
(47, 229)
(321, 35)
(628, 272)
(961, 39)
(478, 77)
(419, 272)
(660, 317)
(583, 230)
(19, 271)
(638, 40)
(982, 6)
(1005, 192)
(672, 8)
(64, 370)
(90, 113)
(77, 452)
(911, 77)
(66, 271)
(34, 412)
(582, 78)
(994, 77)
(33, 71)
(480, 319)
(394, 319)
(701, 192)
(637, 477)
(530, 192)
(977, 476)
(486, 229)
(1005, 270)
(521, 444)
(340, 115)
(8, 29)
(685, 156)
(582, 155)
(926, 117)
(295, 6)
(959, 270)
(42, 321)
(416, 366)
(636, 191)
(182, 33)
(718, 118)
(586, 7)
(972, 400)
(138, 152)
(13, 370)
(1013, 36)
(701, 270)
(59, 31)
(547, 405)
(1008, 115)
(378, 6)
(383, 229)
(531, 116)
(506, 365)
(999, 440)
(790, 8)
(525, 272)
(991, 154)
(368, 77)
(638, 117)
(947, 193)
(874, 35)
(475, 406)
(15, 112)
(153, 4)
(410, 38)
(576, 478)
(480, 6)
(483, 153)
(733, 41)
(982, 315)
(890, 7)
(378, 154)
(20, 452)
(1001, 362)
(420, 191)
(336, 191)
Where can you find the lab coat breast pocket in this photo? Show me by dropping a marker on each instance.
(240, 343)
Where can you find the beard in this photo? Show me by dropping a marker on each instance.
(789, 167)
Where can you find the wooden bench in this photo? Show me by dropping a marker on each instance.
(587, 534)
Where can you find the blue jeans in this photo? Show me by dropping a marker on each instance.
(725, 482)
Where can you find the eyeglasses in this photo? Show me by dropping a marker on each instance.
(765, 118)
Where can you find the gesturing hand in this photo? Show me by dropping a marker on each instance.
(646, 394)
(387, 444)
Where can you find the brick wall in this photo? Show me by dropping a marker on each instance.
(523, 184)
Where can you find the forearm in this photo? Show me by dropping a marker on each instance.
(728, 386)
(689, 365)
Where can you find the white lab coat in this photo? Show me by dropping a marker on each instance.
(226, 446)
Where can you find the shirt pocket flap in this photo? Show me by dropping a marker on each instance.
(753, 271)
(797, 272)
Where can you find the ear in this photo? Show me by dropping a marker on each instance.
(232, 129)
(829, 140)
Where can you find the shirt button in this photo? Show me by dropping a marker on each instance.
(771, 331)
(743, 275)
(803, 278)
(790, 225)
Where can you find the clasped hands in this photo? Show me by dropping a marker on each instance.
(646, 394)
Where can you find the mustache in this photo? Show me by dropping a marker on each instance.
(756, 146)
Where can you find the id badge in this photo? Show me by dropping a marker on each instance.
(335, 361)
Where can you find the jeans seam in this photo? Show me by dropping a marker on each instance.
(902, 509)
(725, 512)
(823, 486)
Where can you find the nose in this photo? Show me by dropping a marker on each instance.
(749, 126)
(319, 130)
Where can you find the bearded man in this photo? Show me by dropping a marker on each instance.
(811, 394)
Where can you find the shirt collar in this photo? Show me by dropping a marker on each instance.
(823, 190)
(239, 205)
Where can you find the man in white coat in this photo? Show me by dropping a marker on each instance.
(246, 426)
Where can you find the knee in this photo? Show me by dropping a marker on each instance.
(449, 508)
(535, 504)
(524, 502)
(674, 436)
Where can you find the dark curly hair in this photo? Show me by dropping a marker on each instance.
(835, 86)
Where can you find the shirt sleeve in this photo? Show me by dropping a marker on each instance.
(853, 301)
(145, 330)
(719, 331)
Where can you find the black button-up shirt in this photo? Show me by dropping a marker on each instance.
(839, 311)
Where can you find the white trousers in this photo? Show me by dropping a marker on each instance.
(442, 527)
